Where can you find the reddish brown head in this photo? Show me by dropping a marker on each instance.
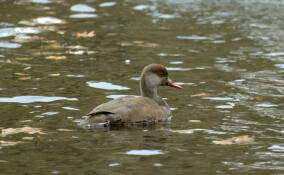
(157, 76)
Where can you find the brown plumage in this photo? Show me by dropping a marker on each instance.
(147, 108)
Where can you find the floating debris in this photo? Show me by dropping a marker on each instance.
(234, 140)
(194, 121)
(25, 129)
(9, 143)
(201, 95)
(55, 57)
(85, 34)
(54, 75)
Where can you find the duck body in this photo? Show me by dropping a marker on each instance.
(130, 109)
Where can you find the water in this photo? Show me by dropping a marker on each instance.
(59, 59)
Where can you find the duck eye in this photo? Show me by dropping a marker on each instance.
(160, 74)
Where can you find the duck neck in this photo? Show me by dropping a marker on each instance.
(147, 89)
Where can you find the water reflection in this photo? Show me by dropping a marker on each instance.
(106, 85)
(9, 45)
(182, 83)
(47, 21)
(38, 1)
(118, 96)
(265, 105)
(143, 7)
(76, 76)
(193, 37)
(144, 152)
(107, 4)
(178, 69)
(113, 164)
(7, 32)
(46, 114)
(224, 107)
(224, 60)
(176, 62)
(32, 99)
(82, 8)
(70, 108)
(277, 148)
(279, 65)
(83, 15)
(220, 98)
(273, 54)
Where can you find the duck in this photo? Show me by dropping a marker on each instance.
(147, 108)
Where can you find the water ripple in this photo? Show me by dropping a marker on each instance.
(279, 66)
(144, 152)
(116, 96)
(106, 85)
(83, 15)
(277, 148)
(273, 54)
(220, 98)
(178, 69)
(32, 99)
(224, 107)
(82, 8)
(107, 4)
(10, 45)
(143, 7)
(176, 62)
(193, 37)
(38, 1)
(47, 21)
(70, 108)
(265, 105)
(6, 32)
